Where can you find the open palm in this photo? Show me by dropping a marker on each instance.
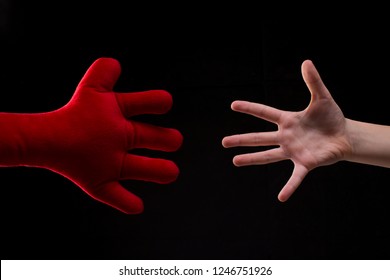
(310, 138)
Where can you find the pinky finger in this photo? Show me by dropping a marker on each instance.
(299, 173)
(116, 196)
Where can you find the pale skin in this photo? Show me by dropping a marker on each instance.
(317, 136)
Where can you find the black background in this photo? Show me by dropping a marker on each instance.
(214, 210)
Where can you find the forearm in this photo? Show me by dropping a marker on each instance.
(370, 143)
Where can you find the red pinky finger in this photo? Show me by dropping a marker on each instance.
(116, 196)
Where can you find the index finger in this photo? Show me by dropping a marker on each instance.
(144, 102)
(258, 110)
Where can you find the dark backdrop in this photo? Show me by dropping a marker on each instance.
(214, 210)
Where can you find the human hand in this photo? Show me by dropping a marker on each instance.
(89, 139)
(310, 138)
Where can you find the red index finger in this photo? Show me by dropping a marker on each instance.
(144, 102)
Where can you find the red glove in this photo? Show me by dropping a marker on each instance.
(88, 139)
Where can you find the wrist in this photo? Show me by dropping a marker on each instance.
(24, 140)
(352, 136)
(369, 143)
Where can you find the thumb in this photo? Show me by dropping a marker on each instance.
(101, 75)
(313, 81)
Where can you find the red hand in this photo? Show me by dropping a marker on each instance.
(89, 139)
